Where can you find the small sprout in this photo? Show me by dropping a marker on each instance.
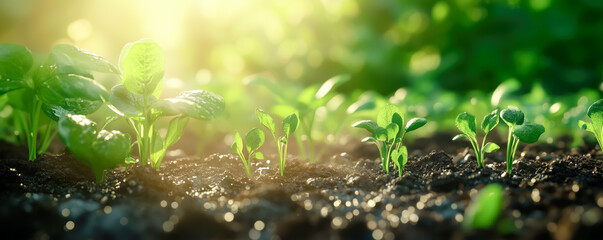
(137, 100)
(100, 150)
(388, 133)
(595, 113)
(466, 123)
(519, 130)
(485, 208)
(290, 124)
(254, 140)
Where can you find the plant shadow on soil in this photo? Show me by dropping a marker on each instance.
(555, 193)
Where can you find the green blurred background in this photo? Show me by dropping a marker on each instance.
(433, 58)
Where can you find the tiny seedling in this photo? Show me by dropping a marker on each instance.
(388, 134)
(100, 150)
(595, 113)
(290, 124)
(519, 130)
(485, 208)
(136, 99)
(253, 140)
(62, 85)
(466, 123)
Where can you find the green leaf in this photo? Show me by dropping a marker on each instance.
(258, 155)
(369, 125)
(197, 104)
(75, 94)
(400, 157)
(380, 134)
(254, 139)
(398, 120)
(82, 107)
(459, 136)
(490, 121)
(595, 113)
(484, 209)
(415, 123)
(528, 132)
(586, 126)
(237, 144)
(128, 103)
(142, 65)
(266, 120)
(99, 150)
(15, 62)
(466, 123)
(490, 147)
(512, 116)
(157, 147)
(385, 115)
(392, 131)
(290, 124)
(331, 84)
(595, 108)
(175, 130)
(370, 139)
(68, 59)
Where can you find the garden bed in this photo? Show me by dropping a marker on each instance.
(554, 192)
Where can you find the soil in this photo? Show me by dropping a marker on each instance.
(554, 193)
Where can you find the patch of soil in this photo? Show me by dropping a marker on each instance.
(553, 194)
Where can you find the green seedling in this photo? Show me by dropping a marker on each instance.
(388, 134)
(100, 150)
(290, 124)
(305, 102)
(595, 113)
(485, 208)
(136, 99)
(466, 123)
(519, 130)
(62, 85)
(253, 140)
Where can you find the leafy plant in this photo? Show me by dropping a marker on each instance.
(519, 130)
(466, 123)
(254, 140)
(136, 99)
(100, 150)
(595, 113)
(305, 102)
(290, 124)
(485, 208)
(62, 85)
(388, 134)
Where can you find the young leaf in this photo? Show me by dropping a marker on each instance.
(392, 131)
(265, 120)
(15, 62)
(197, 104)
(370, 139)
(595, 113)
(142, 65)
(459, 136)
(490, 147)
(127, 102)
(369, 125)
(157, 149)
(290, 124)
(586, 126)
(490, 121)
(68, 59)
(237, 145)
(466, 123)
(414, 124)
(175, 130)
(258, 155)
(331, 84)
(398, 120)
(512, 116)
(404, 157)
(254, 139)
(528, 132)
(385, 115)
(380, 134)
(73, 93)
(110, 150)
(484, 209)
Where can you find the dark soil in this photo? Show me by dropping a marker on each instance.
(554, 193)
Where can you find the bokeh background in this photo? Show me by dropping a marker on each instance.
(433, 58)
